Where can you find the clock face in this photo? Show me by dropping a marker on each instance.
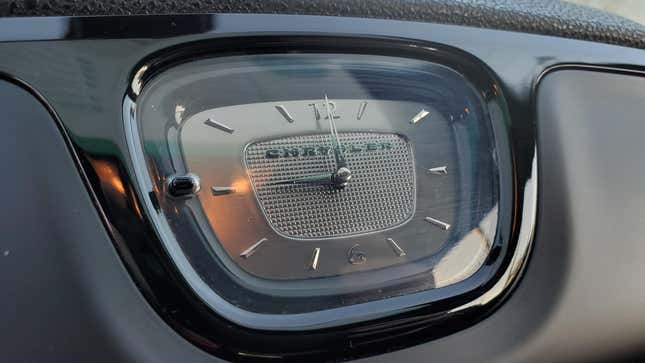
(277, 211)
(316, 180)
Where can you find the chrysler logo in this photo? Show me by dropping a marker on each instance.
(314, 150)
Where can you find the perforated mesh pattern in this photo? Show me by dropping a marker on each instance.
(380, 195)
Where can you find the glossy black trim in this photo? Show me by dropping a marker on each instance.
(628, 71)
(68, 141)
(438, 301)
(100, 153)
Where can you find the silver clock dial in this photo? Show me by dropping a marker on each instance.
(326, 178)
(282, 177)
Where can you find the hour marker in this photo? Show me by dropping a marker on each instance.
(283, 111)
(314, 258)
(251, 250)
(219, 126)
(316, 112)
(443, 225)
(222, 190)
(395, 247)
(423, 113)
(355, 256)
(440, 170)
(361, 110)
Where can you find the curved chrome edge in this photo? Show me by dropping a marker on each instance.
(325, 318)
(524, 242)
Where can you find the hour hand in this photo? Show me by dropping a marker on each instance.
(318, 179)
(339, 179)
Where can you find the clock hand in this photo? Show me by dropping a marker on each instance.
(318, 179)
(338, 154)
(338, 179)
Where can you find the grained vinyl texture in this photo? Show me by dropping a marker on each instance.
(548, 17)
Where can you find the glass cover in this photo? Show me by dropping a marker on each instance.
(299, 182)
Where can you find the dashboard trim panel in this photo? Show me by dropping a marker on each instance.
(148, 263)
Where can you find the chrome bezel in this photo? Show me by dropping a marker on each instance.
(349, 314)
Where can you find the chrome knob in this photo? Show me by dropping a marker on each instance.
(183, 185)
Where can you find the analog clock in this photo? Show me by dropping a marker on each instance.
(303, 182)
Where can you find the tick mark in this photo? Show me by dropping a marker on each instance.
(219, 126)
(440, 170)
(395, 247)
(423, 113)
(443, 225)
(361, 110)
(251, 250)
(222, 190)
(314, 258)
(283, 111)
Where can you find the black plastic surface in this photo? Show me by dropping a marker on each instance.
(548, 17)
(66, 296)
(582, 297)
(71, 300)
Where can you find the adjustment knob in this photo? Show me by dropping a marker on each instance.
(183, 185)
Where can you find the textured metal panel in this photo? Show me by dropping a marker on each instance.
(380, 195)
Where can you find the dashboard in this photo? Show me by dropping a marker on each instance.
(244, 186)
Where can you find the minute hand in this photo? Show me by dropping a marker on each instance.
(338, 154)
